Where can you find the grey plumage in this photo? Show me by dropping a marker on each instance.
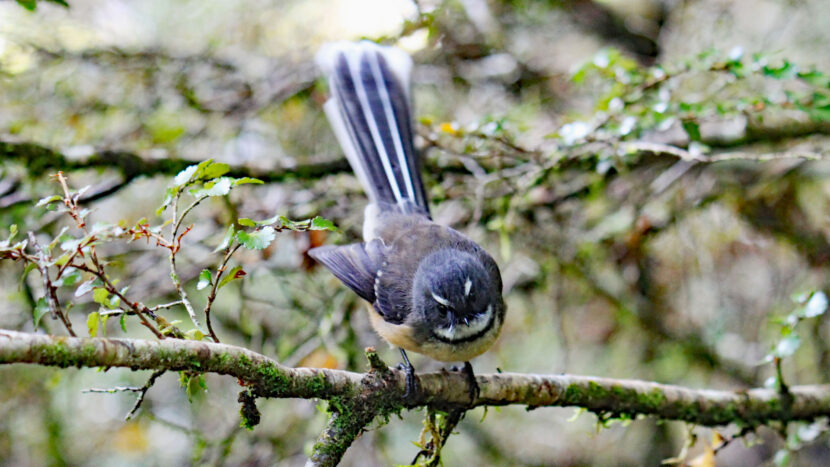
(433, 290)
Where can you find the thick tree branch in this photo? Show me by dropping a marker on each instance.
(443, 389)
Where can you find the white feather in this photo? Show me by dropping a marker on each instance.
(461, 331)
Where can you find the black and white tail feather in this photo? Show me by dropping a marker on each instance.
(369, 110)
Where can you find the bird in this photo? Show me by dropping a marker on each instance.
(430, 289)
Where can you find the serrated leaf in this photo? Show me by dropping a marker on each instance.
(247, 180)
(92, 323)
(41, 308)
(226, 240)
(319, 223)
(218, 187)
(204, 279)
(256, 240)
(787, 346)
(235, 273)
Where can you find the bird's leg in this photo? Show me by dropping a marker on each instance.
(471, 381)
(411, 382)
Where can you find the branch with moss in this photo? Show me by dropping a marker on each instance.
(355, 399)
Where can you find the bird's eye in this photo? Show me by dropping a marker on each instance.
(443, 308)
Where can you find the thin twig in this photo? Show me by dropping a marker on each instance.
(143, 392)
(229, 251)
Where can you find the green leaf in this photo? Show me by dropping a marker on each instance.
(41, 308)
(692, 129)
(233, 274)
(247, 180)
(194, 335)
(92, 323)
(256, 240)
(204, 279)
(787, 346)
(124, 322)
(168, 200)
(786, 70)
(218, 187)
(48, 199)
(69, 278)
(319, 223)
(226, 240)
(100, 295)
(28, 4)
(244, 221)
(210, 169)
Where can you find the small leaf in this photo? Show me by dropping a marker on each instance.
(247, 180)
(210, 170)
(319, 223)
(787, 346)
(218, 187)
(48, 199)
(194, 335)
(92, 323)
(41, 308)
(69, 278)
(204, 279)
(185, 175)
(256, 240)
(244, 221)
(124, 322)
(100, 295)
(692, 129)
(816, 306)
(226, 241)
(235, 273)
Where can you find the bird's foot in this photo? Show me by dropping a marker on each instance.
(411, 381)
(473, 388)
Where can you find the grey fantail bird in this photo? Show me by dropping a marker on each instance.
(433, 291)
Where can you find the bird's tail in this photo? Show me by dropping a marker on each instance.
(369, 110)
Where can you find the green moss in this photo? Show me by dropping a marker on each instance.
(652, 400)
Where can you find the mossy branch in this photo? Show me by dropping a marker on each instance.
(358, 398)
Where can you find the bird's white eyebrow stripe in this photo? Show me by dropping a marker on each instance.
(441, 300)
(467, 287)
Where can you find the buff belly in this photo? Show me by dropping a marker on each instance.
(402, 335)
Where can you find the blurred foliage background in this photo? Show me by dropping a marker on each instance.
(650, 175)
